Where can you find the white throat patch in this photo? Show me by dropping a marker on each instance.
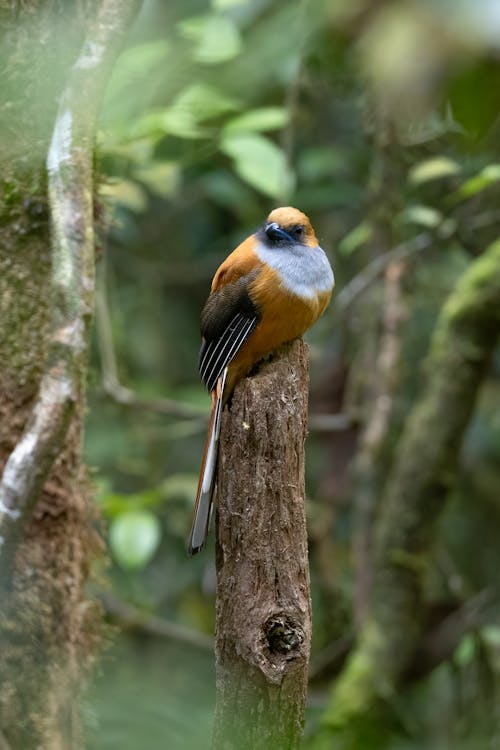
(305, 271)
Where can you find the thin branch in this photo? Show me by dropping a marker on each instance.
(367, 276)
(438, 644)
(484, 219)
(69, 169)
(131, 618)
(110, 381)
(331, 422)
(331, 659)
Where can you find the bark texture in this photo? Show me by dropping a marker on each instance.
(47, 627)
(263, 629)
(461, 349)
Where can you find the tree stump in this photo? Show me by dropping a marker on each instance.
(263, 628)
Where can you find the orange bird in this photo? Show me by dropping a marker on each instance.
(267, 292)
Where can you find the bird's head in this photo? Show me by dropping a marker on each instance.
(287, 226)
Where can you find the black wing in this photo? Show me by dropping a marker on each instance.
(228, 319)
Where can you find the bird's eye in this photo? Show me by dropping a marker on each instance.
(298, 230)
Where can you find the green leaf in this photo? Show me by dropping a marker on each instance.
(320, 161)
(486, 177)
(259, 162)
(162, 178)
(224, 187)
(181, 122)
(133, 66)
(134, 537)
(424, 216)
(172, 121)
(192, 27)
(144, 56)
(138, 151)
(126, 192)
(226, 4)
(356, 238)
(218, 38)
(491, 635)
(433, 169)
(194, 105)
(263, 119)
(115, 504)
(220, 42)
(179, 486)
(204, 102)
(466, 650)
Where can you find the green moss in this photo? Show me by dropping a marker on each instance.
(24, 279)
(476, 290)
(358, 685)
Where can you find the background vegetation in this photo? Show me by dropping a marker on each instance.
(379, 120)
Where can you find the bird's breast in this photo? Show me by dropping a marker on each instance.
(289, 295)
(302, 271)
(285, 315)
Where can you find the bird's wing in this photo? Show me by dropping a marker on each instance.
(229, 317)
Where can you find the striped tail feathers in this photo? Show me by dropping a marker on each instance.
(206, 482)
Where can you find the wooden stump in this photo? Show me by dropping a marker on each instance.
(263, 629)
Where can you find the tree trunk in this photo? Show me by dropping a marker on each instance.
(47, 537)
(461, 349)
(369, 464)
(263, 629)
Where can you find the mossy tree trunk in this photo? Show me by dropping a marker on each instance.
(461, 349)
(47, 537)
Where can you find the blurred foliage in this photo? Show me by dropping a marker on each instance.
(381, 121)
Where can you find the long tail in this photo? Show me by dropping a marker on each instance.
(206, 482)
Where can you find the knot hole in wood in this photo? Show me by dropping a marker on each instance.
(283, 635)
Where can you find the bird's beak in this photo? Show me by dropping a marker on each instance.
(276, 233)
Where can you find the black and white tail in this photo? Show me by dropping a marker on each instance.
(206, 482)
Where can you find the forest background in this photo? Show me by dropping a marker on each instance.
(380, 120)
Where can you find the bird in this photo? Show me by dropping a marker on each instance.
(266, 293)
